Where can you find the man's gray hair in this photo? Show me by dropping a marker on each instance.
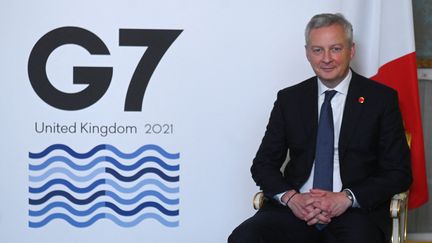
(327, 19)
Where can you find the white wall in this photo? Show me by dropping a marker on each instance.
(214, 87)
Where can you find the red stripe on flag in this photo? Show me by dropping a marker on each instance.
(401, 75)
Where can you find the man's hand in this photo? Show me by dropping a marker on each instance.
(331, 204)
(302, 205)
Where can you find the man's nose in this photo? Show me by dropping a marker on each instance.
(327, 56)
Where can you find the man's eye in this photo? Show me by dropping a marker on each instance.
(316, 50)
(336, 49)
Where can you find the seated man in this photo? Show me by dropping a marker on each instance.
(347, 151)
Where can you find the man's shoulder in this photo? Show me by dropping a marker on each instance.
(309, 84)
(371, 86)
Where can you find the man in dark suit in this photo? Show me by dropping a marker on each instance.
(369, 156)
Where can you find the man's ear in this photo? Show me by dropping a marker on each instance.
(353, 50)
(307, 53)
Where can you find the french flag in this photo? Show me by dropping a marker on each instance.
(384, 37)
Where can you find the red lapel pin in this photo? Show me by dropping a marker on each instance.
(361, 99)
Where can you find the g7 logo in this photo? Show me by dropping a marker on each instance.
(97, 78)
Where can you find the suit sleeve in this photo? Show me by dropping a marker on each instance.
(266, 167)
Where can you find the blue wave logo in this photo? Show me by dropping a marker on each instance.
(104, 183)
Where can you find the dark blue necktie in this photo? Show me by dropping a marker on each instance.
(323, 173)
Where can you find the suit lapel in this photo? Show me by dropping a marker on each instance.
(309, 111)
(351, 116)
(352, 112)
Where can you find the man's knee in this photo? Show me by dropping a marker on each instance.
(355, 227)
(246, 233)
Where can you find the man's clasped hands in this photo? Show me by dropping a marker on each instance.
(316, 206)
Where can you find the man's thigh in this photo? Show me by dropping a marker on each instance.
(274, 224)
(354, 226)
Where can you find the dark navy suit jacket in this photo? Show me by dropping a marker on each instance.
(373, 153)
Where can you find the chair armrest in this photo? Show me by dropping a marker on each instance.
(398, 213)
(258, 200)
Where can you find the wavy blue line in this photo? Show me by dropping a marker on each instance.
(100, 159)
(67, 196)
(97, 194)
(141, 218)
(140, 173)
(102, 170)
(65, 171)
(99, 182)
(112, 206)
(103, 147)
(97, 217)
(143, 194)
(141, 184)
(68, 219)
(69, 185)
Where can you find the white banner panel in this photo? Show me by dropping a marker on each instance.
(137, 121)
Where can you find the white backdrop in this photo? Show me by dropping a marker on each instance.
(212, 90)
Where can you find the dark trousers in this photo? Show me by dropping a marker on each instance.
(275, 223)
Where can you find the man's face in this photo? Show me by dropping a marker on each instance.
(329, 53)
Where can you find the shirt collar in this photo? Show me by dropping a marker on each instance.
(342, 87)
